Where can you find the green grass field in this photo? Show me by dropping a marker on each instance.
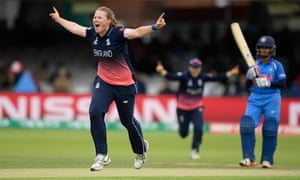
(68, 154)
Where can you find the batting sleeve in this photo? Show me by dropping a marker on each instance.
(278, 84)
(280, 71)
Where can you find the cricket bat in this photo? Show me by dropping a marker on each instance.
(242, 44)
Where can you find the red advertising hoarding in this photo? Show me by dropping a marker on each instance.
(222, 114)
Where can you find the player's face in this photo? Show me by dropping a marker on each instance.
(265, 51)
(100, 22)
(195, 71)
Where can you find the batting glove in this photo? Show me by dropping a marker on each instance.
(251, 73)
(262, 82)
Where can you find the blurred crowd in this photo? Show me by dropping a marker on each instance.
(16, 77)
(60, 62)
(62, 77)
(49, 68)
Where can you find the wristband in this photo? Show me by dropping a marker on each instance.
(153, 27)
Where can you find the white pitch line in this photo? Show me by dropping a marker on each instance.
(144, 172)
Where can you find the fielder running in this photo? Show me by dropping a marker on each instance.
(189, 98)
(115, 80)
(264, 80)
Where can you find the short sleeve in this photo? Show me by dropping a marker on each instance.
(90, 33)
(280, 71)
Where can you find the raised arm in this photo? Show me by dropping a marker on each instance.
(160, 69)
(68, 25)
(142, 31)
(233, 71)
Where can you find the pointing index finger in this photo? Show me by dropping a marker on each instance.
(54, 9)
(162, 15)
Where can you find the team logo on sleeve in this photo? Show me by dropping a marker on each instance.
(95, 41)
(200, 82)
(190, 83)
(108, 42)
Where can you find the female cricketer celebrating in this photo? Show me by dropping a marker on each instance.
(115, 80)
(189, 98)
(264, 80)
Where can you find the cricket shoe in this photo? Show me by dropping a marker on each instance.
(247, 163)
(266, 164)
(140, 159)
(194, 154)
(100, 161)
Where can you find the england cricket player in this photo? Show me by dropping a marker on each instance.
(115, 80)
(189, 98)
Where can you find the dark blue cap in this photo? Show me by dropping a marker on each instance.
(195, 62)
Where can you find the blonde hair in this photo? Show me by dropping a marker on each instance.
(110, 15)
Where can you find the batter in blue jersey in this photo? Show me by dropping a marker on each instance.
(189, 98)
(265, 80)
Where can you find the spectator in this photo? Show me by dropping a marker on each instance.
(15, 72)
(241, 89)
(42, 73)
(4, 82)
(214, 88)
(294, 89)
(62, 80)
(22, 80)
(167, 88)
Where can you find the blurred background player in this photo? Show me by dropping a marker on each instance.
(115, 80)
(264, 80)
(189, 98)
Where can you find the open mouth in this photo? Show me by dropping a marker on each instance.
(97, 25)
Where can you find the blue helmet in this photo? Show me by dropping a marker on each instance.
(266, 41)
